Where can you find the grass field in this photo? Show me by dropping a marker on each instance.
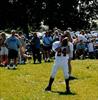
(29, 81)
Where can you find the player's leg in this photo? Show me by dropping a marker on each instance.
(54, 70)
(66, 75)
(70, 67)
(48, 88)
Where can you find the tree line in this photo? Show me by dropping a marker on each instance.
(55, 13)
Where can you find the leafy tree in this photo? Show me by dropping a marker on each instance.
(60, 13)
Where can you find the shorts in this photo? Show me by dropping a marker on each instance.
(47, 48)
(12, 54)
(3, 51)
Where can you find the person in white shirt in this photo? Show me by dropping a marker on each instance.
(61, 60)
(72, 33)
(82, 37)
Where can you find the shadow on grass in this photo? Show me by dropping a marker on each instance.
(72, 78)
(63, 93)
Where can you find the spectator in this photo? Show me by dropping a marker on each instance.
(21, 37)
(56, 36)
(91, 49)
(80, 50)
(81, 36)
(47, 45)
(35, 42)
(1, 39)
(4, 50)
(13, 44)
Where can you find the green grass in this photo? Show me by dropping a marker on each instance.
(29, 81)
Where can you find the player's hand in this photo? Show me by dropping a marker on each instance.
(64, 52)
(59, 51)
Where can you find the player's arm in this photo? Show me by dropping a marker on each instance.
(58, 49)
(55, 46)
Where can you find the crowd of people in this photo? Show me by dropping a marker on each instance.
(61, 46)
(17, 48)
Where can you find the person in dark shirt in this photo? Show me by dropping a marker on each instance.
(36, 48)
